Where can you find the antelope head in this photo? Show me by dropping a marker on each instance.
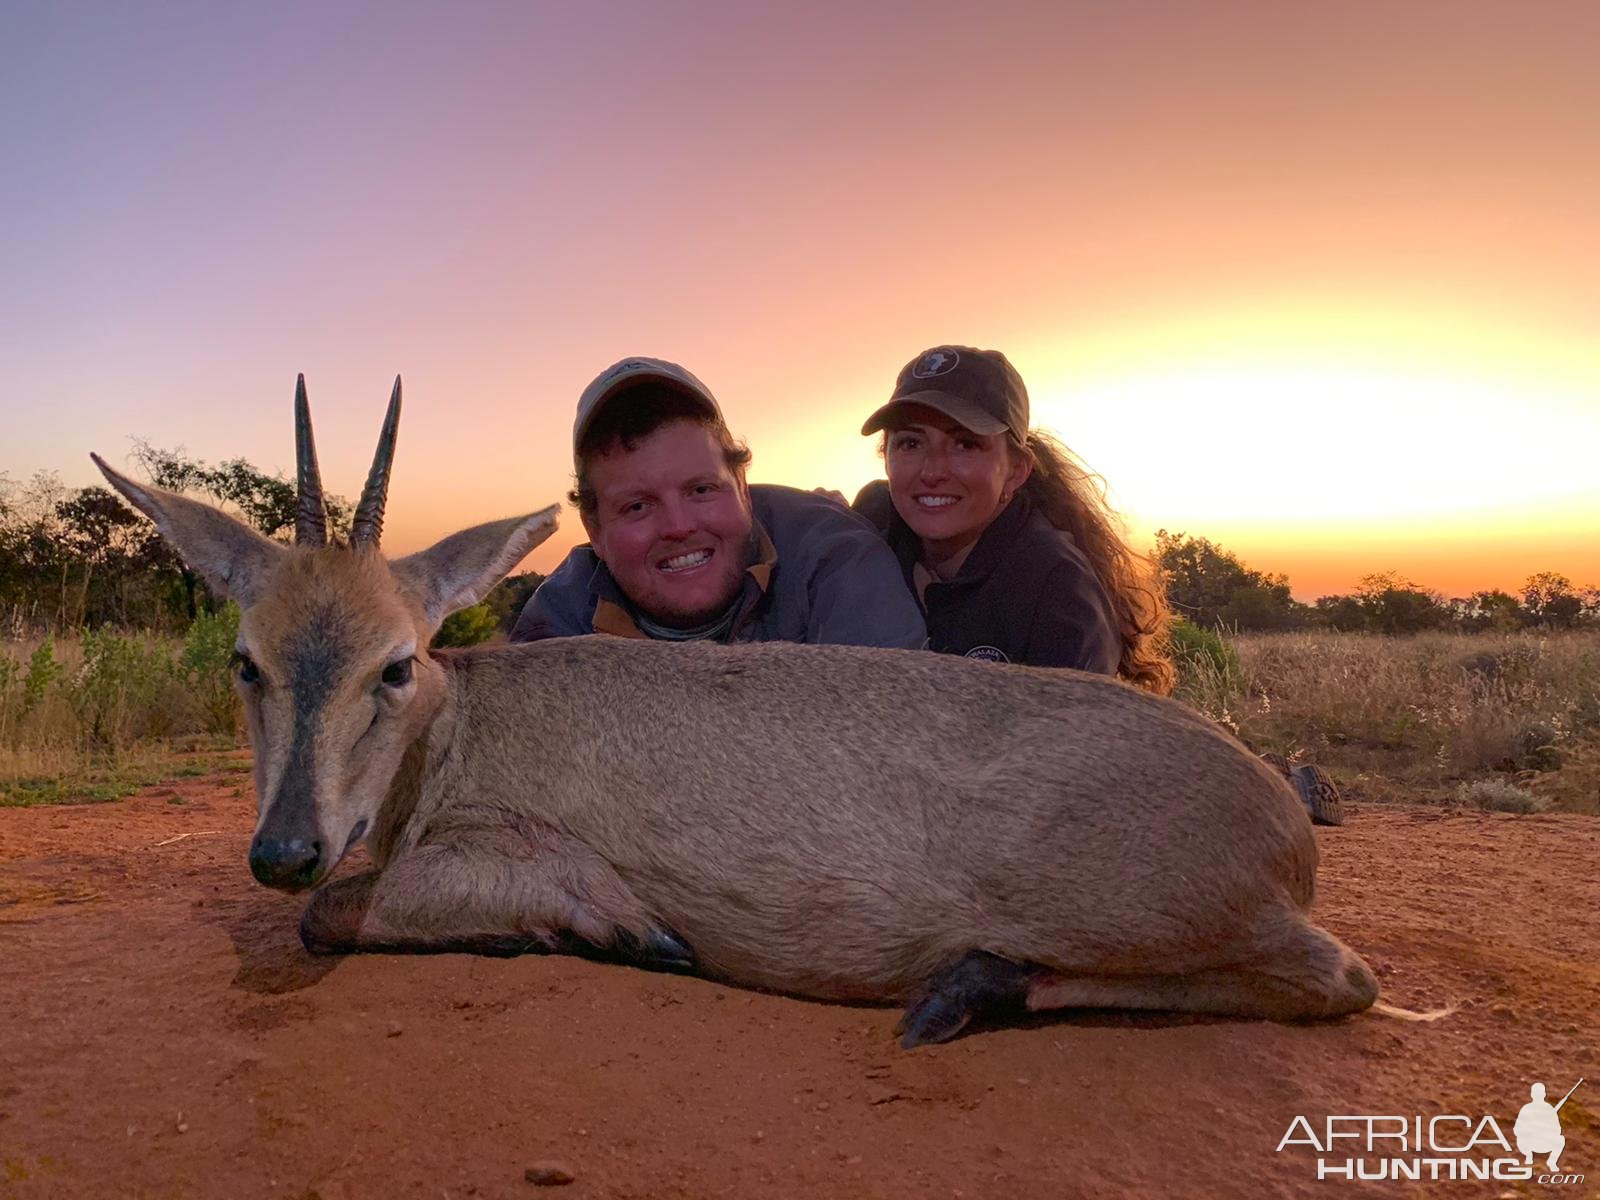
(332, 656)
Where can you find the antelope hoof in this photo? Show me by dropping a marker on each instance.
(318, 934)
(658, 948)
(947, 1002)
(932, 1019)
(331, 922)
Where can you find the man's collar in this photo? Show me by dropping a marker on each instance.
(765, 558)
(613, 618)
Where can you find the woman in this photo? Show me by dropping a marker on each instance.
(1009, 543)
(1007, 540)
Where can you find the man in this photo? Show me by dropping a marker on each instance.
(681, 548)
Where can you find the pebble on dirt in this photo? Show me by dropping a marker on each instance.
(548, 1175)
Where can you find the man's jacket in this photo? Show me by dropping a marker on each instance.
(820, 573)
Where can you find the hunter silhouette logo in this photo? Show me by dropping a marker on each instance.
(935, 362)
(1538, 1127)
(1451, 1146)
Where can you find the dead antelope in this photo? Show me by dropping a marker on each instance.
(873, 825)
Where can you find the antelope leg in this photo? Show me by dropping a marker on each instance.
(975, 983)
(486, 893)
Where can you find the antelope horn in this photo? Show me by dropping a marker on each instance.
(310, 515)
(367, 527)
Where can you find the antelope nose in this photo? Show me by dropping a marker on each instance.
(285, 862)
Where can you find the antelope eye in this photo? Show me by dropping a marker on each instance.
(246, 666)
(397, 674)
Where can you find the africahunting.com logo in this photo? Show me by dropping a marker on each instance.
(1452, 1146)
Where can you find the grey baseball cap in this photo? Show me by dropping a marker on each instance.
(624, 376)
(978, 389)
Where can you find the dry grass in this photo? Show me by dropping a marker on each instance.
(1423, 718)
(95, 716)
(1416, 718)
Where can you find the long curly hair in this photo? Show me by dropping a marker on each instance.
(1073, 499)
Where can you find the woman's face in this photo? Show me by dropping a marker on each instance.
(947, 482)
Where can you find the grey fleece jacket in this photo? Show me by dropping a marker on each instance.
(822, 574)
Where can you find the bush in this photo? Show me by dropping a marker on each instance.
(1209, 675)
(206, 663)
(1496, 795)
(467, 627)
(125, 689)
(10, 694)
(506, 598)
(1196, 649)
(43, 670)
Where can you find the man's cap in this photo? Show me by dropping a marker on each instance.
(978, 389)
(624, 376)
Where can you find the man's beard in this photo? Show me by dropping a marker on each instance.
(662, 612)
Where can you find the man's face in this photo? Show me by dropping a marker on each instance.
(672, 523)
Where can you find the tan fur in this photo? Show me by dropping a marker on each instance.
(828, 821)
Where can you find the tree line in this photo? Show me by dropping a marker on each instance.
(1211, 588)
(81, 558)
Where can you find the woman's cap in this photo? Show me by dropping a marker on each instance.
(979, 389)
(624, 376)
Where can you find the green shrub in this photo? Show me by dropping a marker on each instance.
(10, 695)
(1209, 675)
(1192, 646)
(43, 670)
(206, 663)
(467, 627)
(1496, 795)
(127, 688)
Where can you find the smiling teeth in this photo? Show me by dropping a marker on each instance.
(683, 561)
(936, 501)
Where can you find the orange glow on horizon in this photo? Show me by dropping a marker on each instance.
(1317, 282)
(1314, 441)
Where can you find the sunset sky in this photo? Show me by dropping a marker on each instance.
(1318, 282)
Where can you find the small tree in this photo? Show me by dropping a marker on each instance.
(1551, 600)
(1210, 586)
(266, 502)
(1344, 613)
(1493, 610)
(506, 598)
(1395, 605)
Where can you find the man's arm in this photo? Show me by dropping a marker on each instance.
(859, 596)
(563, 605)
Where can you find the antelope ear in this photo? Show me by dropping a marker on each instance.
(460, 570)
(232, 558)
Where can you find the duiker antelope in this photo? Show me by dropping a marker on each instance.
(873, 825)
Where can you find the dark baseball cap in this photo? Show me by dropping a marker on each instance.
(979, 389)
(630, 373)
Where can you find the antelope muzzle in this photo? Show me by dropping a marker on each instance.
(288, 863)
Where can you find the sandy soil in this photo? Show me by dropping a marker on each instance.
(162, 1034)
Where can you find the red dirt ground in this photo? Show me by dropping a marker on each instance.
(164, 1035)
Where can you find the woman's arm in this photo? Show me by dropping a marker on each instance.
(1073, 625)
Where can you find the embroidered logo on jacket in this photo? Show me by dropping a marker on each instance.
(988, 654)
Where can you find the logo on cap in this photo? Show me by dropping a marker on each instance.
(935, 362)
(628, 366)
